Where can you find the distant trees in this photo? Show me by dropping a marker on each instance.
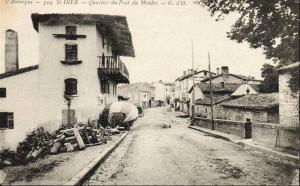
(270, 83)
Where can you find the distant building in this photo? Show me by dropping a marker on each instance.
(170, 92)
(184, 83)
(225, 77)
(78, 72)
(223, 84)
(137, 93)
(160, 93)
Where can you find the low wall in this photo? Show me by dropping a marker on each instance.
(276, 135)
(226, 126)
(271, 134)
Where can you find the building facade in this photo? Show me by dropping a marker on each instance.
(183, 85)
(78, 72)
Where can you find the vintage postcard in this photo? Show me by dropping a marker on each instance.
(149, 92)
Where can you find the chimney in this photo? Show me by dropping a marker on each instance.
(184, 73)
(224, 70)
(218, 71)
(11, 50)
(160, 81)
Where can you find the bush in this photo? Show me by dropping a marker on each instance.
(36, 139)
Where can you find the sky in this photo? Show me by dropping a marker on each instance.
(162, 38)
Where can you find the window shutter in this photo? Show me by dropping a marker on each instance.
(2, 92)
(70, 87)
(10, 120)
(3, 120)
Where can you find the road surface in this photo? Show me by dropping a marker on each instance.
(152, 154)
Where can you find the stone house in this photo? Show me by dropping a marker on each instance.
(203, 106)
(77, 75)
(259, 108)
(223, 85)
(225, 78)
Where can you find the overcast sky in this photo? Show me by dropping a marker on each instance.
(161, 38)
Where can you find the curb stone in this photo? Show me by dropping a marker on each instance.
(81, 176)
(251, 146)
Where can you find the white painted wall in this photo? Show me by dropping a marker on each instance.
(160, 91)
(52, 74)
(21, 99)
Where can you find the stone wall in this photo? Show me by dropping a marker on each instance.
(226, 126)
(288, 102)
(276, 135)
(270, 134)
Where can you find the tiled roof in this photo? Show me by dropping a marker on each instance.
(245, 78)
(190, 75)
(216, 87)
(215, 99)
(254, 101)
(115, 27)
(19, 71)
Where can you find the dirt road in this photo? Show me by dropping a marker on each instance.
(152, 154)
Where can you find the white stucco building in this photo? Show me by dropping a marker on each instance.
(79, 67)
(160, 92)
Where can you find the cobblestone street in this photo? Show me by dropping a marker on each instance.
(152, 154)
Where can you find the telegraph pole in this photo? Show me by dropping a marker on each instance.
(193, 94)
(211, 96)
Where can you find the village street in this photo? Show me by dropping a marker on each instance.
(151, 154)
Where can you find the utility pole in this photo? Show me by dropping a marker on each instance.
(211, 96)
(193, 78)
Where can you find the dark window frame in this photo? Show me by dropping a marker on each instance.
(105, 89)
(6, 120)
(70, 49)
(71, 87)
(71, 30)
(2, 92)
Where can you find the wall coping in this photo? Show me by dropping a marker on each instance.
(273, 125)
(254, 124)
(220, 120)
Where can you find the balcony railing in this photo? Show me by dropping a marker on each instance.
(112, 67)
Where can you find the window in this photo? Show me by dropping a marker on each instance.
(70, 87)
(2, 92)
(7, 120)
(105, 86)
(70, 30)
(71, 52)
(222, 84)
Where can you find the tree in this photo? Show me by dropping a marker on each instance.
(269, 24)
(270, 83)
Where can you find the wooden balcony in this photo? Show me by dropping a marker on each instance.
(111, 67)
